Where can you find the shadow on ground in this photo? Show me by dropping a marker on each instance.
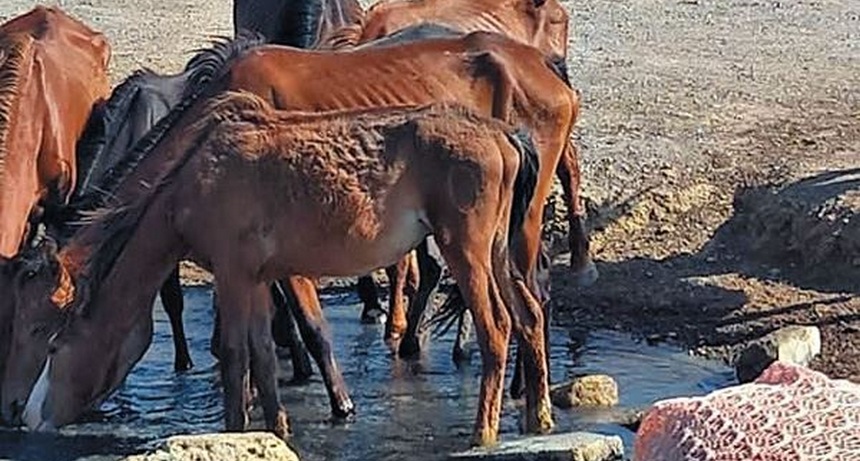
(787, 254)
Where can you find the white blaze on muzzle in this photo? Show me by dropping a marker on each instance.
(36, 401)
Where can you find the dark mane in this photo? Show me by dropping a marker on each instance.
(102, 125)
(207, 66)
(559, 66)
(423, 31)
(115, 224)
(211, 63)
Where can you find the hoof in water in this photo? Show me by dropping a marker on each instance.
(586, 276)
(461, 356)
(410, 347)
(181, 366)
(484, 438)
(373, 316)
(282, 427)
(343, 410)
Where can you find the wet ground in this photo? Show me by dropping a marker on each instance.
(423, 407)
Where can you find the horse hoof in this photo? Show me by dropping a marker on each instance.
(484, 438)
(344, 409)
(282, 427)
(373, 316)
(586, 276)
(409, 347)
(460, 356)
(181, 366)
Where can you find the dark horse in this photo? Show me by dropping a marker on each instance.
(298, 23)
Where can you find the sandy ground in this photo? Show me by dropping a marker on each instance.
(699, 120)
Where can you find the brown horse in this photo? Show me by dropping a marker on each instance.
(298, 23)
(490, 74)
(260, 195)
(53, 68)
(540, 23)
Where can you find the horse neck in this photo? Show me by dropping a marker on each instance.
(20, 187)
(129, 288)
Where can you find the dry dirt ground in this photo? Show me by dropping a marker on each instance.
(720, 141)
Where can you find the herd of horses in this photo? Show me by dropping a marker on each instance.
(321, 140)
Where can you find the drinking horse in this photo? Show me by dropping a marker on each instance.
(259, 195)
(53, 69)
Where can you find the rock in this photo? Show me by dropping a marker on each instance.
(629, 418)
(794, 344)
(586, 391)
(246, 446)
(573, 446)
(789, 413)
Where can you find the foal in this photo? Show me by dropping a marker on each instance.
(260, 195)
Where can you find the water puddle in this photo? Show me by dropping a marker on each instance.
(423, 407)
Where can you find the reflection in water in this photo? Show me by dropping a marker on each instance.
(422, 407)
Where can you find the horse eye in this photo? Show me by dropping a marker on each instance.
(30, 274)
(38, 330)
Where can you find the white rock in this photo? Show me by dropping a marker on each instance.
(795, 344)
(573, 446)
(246, 446)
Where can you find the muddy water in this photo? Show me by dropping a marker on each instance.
(424, 407)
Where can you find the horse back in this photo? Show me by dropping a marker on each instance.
(540, 23)
(476, 70)
(54, 69)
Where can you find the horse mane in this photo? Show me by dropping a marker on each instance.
(205, 67)
(558, 65)
(14, 49)
(422, 31)
(112, 226)
(212, 62)
(101, 127)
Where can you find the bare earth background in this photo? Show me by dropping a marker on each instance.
(720, 144)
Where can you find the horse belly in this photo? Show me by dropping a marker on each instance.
(340, 254)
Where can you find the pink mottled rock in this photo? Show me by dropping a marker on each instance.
(788, 413)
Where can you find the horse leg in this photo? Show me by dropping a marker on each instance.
(568, 172)
(460, 354)
(369, 295)
(171, 299)
(264, 362)
(527, 315)
(430, 274)
(395, 325)
(492, 327)
(235, 305)
(315, 332)
(539, 284)
(286, 335)
(215, 339)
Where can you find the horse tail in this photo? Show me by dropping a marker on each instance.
(526, 179)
